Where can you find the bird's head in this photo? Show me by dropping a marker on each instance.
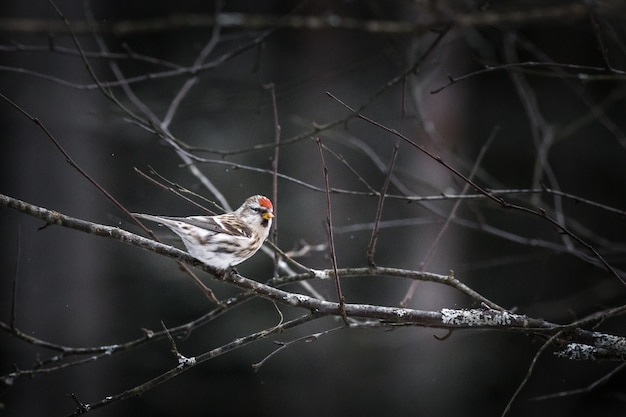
(259, 210)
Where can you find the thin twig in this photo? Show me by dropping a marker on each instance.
(310, 338)
(183, 361)
(277, 130)
(352, 169)
(171, 339)
(331, 237)
(583, 390)
(529, 373)
(371, 248)
(172, 190)
(81, 408)
(601, 46)
(531, 64)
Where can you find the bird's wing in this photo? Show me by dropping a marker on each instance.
(226, 224)
(233, 226)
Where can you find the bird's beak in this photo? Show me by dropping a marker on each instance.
(267, 215)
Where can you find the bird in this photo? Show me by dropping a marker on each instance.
(224, 240)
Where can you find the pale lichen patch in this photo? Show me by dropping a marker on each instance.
(475, 317)
(607, 341)
(578, 352)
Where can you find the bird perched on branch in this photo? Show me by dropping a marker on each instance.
(225, 240)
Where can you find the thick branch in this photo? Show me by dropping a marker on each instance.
(613, 347)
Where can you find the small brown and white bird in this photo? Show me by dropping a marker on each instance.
(225, 240)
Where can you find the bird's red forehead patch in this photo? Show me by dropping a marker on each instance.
(265, 202)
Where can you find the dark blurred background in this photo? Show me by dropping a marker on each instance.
(553, 126)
